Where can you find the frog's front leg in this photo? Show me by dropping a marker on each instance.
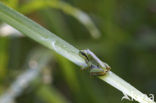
(84, 68)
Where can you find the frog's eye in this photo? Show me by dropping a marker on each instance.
(84, 55)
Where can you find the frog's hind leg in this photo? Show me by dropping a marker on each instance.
(95, 71)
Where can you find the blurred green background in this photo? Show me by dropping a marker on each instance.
(127, 43)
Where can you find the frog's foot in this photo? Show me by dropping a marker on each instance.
(107, 67)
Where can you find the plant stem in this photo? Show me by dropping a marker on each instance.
(50, 40)
(125, 88)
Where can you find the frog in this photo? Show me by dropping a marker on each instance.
(95, 66)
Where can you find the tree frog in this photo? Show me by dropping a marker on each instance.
(95, 65)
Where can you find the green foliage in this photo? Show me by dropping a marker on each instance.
(3, 57)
